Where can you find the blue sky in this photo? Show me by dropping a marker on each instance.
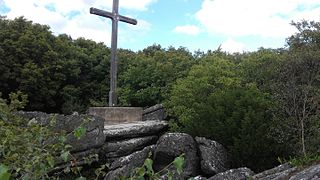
(236, 25)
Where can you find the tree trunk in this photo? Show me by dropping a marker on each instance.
(302, 138)
(302, 126)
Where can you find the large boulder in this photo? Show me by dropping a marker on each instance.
(213, 156)
(172, 145)
(280, 172)
(233, 174)
(137, 129)
(125, 165)
(125, 147)
(92, 138)
(311, 173)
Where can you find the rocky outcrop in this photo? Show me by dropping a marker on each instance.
(92, 138)
(213, 156)
(311, 173)
(172, 145)
(123, 146)
(155, 112)
(125, 165)
(277, 173)
(199, 178)
(114, 149)
(132, 130)
(288, 171)
(126, 146)
(233, 174)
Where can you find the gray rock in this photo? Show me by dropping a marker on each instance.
(155, 112)
(124, 165)
(137, 129)
(58, 122)
(213, 156)
(126, 147)
(172, 145)
(93, 137)
(280, 172)
(311, 173)
(233, 174)
(199, 178)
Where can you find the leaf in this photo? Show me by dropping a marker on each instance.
(66, 170)
(50, 161)
(148, 164)
(65, 156)
(3, 116)
(26, 177)
(81, 178)
(178, 163)
(100, 170)
(53, 120)
(67, 146)
(122, 178)
(141, 172)
(170, 175)
(79, 132)
(62, 139)
(4, 175)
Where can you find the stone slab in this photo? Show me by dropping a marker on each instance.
(126, 147)
(136, 129)
(117, 115)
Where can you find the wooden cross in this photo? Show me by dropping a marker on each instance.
(115, 17)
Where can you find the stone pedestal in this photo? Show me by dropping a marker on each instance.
(117, 115)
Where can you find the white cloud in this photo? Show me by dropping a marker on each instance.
(232, 46)
(89, 27)
(135, 32)
(137, 5)
(264, 18)
(81, 23)
(187, 29)
(140, 5)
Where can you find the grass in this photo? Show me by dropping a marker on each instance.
(305, 160)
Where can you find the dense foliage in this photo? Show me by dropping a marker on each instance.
(260, 105)
(214, 102)
(23, 152)
(60, 74)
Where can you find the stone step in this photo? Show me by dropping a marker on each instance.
(117, 115)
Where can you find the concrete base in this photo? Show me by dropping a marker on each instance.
(117, 115)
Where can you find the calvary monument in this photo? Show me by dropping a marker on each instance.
(113, 114)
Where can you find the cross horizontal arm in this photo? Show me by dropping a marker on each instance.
(112, 16)
(101, 13)
(127, 20)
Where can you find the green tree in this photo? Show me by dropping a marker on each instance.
(214, 101)
(261, 67)
(59, 74)
(297, 88)
(151, 73)
(25, 45)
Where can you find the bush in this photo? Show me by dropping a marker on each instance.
(213, 102)
(24, 152)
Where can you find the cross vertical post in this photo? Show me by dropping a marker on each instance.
(115, 17)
